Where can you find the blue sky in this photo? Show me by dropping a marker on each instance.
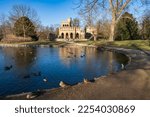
(52, 12)
(49, 11)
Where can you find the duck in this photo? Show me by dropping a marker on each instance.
(31, 52)
(122, 66)
(26, 76)
(34, 58)
(85, 81)
(83, 55)
(63, 84)
(36, 74)
(8, 67)
(45, 79)
(32, 95)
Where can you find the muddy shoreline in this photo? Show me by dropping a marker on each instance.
(131, 83)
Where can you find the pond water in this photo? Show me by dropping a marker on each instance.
(23, 69)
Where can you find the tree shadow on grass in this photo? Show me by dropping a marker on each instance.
(136, 47)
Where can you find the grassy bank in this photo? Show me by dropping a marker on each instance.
(131, 44)
(53, 43)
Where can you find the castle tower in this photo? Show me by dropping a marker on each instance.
(69, 20)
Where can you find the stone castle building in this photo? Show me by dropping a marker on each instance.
(68, 31)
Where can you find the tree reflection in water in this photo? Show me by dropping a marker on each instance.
(71, 65)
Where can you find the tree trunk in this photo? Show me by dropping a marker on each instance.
(24, 33)
(112, 30)
(95, 38)
(4, 33)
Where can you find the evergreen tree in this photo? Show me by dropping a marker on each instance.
(24, 27)
(127, 28)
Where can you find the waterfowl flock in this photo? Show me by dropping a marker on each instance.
(71, 54)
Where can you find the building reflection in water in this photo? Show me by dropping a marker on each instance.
(92, 58)
(70, 54)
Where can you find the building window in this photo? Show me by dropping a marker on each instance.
(77, 36)
(67, 36)
(62, 35)
(71, 35)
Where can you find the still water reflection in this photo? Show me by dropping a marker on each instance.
(31, 65)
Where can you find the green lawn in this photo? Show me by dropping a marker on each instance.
(132, 44)
(53, 43)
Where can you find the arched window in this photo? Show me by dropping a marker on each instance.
(62, 35)
(77, 36)
(71, 35)
(67, 36)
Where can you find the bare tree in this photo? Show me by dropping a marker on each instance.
(87, 14)
(45, 32)
(18, 11)
(146, 26)
(103, 29)
(76, 22)
(5, 25)
(116, 7)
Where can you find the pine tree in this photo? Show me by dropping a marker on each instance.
(24, 27)
(127, 28)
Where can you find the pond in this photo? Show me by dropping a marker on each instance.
(26, 69)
